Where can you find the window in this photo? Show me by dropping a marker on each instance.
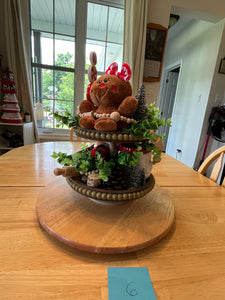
(61, 43)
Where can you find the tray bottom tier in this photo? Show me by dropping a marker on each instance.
(83, 224)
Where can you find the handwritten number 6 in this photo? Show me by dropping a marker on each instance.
(131, 290)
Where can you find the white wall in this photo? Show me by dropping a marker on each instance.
(159, 12)
(197, 47)
(216, 97)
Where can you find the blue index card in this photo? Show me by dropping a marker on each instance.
(130, 283)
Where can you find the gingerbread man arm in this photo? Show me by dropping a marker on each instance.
(128, 106)
(86, 106)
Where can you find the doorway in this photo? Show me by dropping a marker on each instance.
(168, 96)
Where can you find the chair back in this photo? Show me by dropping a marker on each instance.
(219, 155)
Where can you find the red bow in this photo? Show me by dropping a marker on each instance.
(125, 73)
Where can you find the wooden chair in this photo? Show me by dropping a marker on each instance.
(217, 154)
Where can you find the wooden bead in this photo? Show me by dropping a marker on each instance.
(125, 196)
(109, 197)
(88, 193)
(84, 192)
(120, 197)
(125, 137)
(120, 137)
(93, 194)
(104, 196)
(115, 197)
(99, 195)
(115, 116)
(114, 136)
(108, 136)
(102, 136)
(130, 196)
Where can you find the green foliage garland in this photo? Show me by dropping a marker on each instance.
(66, 119)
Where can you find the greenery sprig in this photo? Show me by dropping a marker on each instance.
(85, 162)
(66, 119)
(129, 159)
(63, 158)
(147, 128)
(104, 167)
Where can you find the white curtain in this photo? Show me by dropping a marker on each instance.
(15, 48)
(135, 38)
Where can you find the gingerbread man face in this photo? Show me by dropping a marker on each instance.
(109, 90)
(108, 100)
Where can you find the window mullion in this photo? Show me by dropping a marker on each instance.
(37, 57)
(80, 50)
(53, 92)
(106, 40)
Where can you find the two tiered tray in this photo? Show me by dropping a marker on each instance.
(73, 213)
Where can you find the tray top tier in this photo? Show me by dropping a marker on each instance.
(107, 136)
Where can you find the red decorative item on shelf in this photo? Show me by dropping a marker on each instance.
(11, 109)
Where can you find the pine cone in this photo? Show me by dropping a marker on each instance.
(117, 180)
(135, 177)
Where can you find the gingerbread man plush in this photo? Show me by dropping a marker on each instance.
(110, 103)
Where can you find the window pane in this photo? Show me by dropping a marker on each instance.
(114, 52)
(115, 25)
(64, 85)
(42, 15)
(61, 106)
(64, 51)
(47, 84)
(99, 48)
(42, 84)
(54, 45)
(48, 107)
(46, 49)
(97, 21)
(32, 47)
(65, 17)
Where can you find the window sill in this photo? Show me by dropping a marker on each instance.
(54, 134)
(54, 137)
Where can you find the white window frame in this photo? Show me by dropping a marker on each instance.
(79, 74)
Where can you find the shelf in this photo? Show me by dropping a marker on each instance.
(6, 148)
(24, 130)
(14, 124)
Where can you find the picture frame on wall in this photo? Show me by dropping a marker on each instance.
(222, 66)
(156, 36)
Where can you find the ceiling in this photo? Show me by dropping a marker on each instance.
(42, 12)
(187, 17)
